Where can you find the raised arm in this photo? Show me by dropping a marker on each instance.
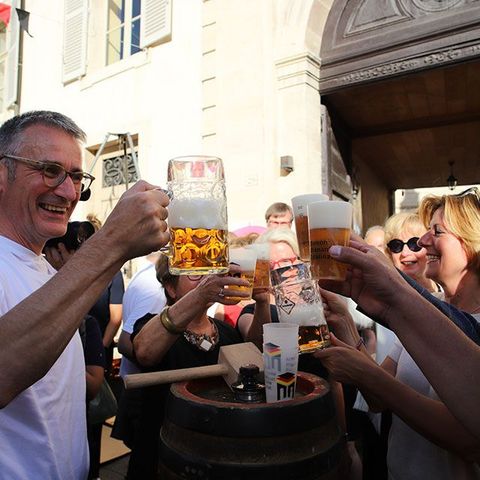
(446, 356)
(153, 341)
(251, 324)
(36, 331)
(427, 416)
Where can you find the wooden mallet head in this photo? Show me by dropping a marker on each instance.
(230, 359)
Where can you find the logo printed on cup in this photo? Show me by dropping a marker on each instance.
(280, 371)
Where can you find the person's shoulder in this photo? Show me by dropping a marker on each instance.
(225, 330)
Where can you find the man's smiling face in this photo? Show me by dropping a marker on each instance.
(32, 212)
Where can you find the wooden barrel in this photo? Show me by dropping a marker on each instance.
(207, 435)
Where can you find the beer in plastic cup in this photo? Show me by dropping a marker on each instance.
(246, 259)
(300, 211)
(329, 224)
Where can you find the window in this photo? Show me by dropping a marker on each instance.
(131, 26)
(123, 29)
(114, 170)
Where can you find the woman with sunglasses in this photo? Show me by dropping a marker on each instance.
(181, 336)
(402, 232)
(425, 439)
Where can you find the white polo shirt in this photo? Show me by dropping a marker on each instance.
(43, 430)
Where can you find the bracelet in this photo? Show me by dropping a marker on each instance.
(169, 326)
(359, 344)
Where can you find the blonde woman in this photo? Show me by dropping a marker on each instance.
(426, 440)
(402, 232)
(452, 245)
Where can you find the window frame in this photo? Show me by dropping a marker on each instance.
(126, 30)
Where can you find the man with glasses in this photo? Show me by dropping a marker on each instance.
(42, 394)
(279, 215)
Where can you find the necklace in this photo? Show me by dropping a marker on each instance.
(203, 341)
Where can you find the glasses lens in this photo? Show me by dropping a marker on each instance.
(413, 245)
(395, 245)
(54, 175)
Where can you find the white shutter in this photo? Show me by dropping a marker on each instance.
(75, 39)
(11, 64)
(156, 22)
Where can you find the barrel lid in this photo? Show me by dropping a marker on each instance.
(191, 406)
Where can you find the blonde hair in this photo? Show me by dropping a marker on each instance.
(283, 234)
(95, 221)
(461, 215)
(400, 223)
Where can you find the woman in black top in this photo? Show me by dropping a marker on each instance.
(181, 336)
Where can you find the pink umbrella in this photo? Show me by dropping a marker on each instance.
(241, 232)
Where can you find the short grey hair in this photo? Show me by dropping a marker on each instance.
(282, 234)
(11, 132)
(278, 208)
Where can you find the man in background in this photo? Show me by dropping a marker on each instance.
(279, 215)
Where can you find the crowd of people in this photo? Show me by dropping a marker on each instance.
(405, 324)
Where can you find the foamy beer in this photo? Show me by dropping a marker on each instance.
(300, 211)
(197, 216)
(329, 224)
(262, 269)
(298, 301)
(246, 260)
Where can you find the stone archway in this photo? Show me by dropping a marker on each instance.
(400, 80)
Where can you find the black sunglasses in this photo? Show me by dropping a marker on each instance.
(396, 245)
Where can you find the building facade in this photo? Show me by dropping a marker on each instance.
(296, 96)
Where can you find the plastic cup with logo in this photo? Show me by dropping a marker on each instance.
(280, 355)
(330, 224)
(246, 260)
(299, 302)
(300, 211)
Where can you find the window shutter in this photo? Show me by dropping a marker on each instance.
(11, 65)
(75, 39)
(156, 22)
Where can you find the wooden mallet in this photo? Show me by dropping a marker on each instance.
(230, 359)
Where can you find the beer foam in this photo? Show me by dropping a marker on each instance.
(332, 214)
(197, 213)
(246, 259)
(301, 202)
(303, 314)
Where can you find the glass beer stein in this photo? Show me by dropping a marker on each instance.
(298, 301)
(197, 216)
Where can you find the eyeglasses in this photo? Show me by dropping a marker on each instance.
(283, 262)
(54, 174)
(276, 222)
(396, 245)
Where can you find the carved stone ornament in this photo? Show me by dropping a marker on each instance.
(434, 5)
(390, 69)
(364, 40)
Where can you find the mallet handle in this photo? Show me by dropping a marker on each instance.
(138, 380)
